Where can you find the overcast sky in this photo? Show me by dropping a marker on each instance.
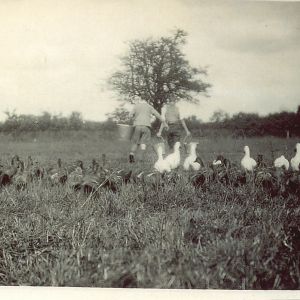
(57, 55)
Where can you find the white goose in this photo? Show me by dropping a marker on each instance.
(247, 162)
(281, 162)
(161, 165)
(295, 161)
(173, 159)
(193, 161)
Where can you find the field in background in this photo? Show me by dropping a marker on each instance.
(172, 237)
(71, 145)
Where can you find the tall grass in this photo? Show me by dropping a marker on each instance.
(173, 236)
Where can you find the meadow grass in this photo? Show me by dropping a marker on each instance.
(175, 236)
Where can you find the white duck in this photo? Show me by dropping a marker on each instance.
(217, 162)
(295, 161)
(281, 162)
(173, 159)
(193, 161)
(247, 162)
(161, 165)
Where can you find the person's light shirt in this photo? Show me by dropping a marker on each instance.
(171, 114)
(142, 112)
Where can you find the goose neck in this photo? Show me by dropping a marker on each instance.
(160, 153)
(193, 151)
(247, 152)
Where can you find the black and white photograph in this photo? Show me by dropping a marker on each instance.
(150, 145)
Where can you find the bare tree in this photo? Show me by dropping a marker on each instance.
(157, 71)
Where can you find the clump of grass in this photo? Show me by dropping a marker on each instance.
(150, 234)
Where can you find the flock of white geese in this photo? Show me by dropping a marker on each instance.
(90, 179)
(194, 162)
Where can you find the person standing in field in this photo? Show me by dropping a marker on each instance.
(142, 113)
(175, 124)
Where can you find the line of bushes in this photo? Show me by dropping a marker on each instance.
(239, 125)
(17, 124)
(281, 124)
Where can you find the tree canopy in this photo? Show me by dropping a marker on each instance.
(156, 70)
(119, 115)
(219, 116)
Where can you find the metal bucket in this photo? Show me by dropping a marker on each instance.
(125, 131)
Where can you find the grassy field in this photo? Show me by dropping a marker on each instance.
(174, 236)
